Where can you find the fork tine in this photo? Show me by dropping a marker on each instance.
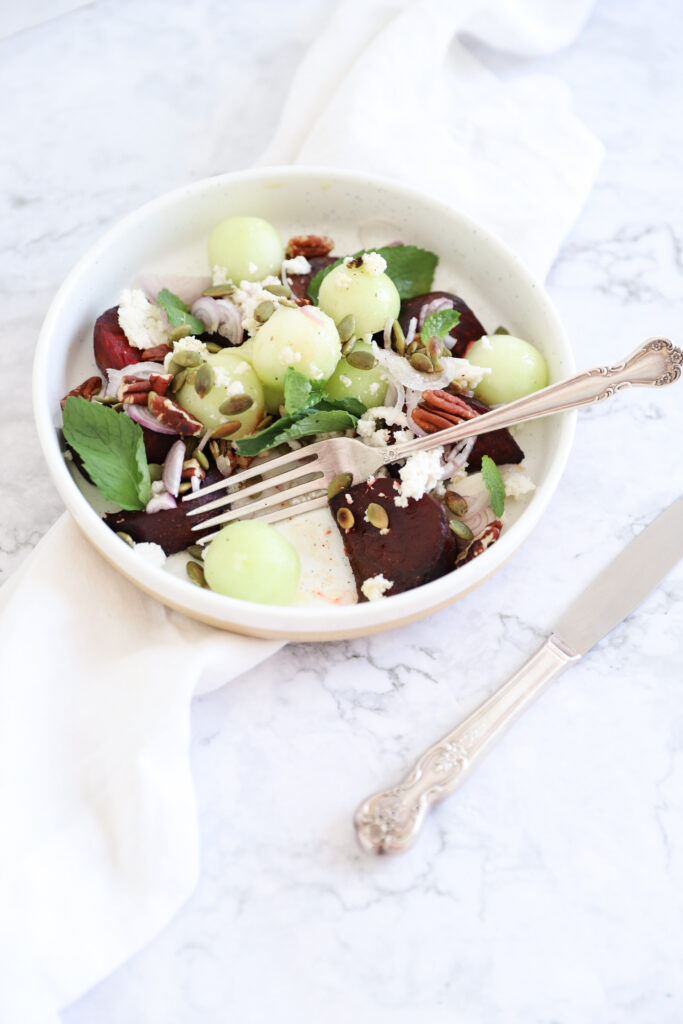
(310, 453)
(274, 517)
(262, 503)
(298, 472)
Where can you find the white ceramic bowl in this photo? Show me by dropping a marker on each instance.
(170, 234)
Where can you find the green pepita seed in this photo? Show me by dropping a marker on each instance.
(348, 346)
(456, 503)
(196, 574)
(187, 358)
(201, 459)
(227, 429)
(213, 347)
(347, 327)
(264, 311)
(282, 290)
(235, 405)
(204, 378)
(461, 530)
(117, 406)
(345, 518)
(421, 362)
(340, 483)
(183, 331)
(262, 424)
(185, 487)
(377, 515)
(361, 360)
(399, 338)
(412, 348)
(501, 330)
(126, 537)
(155, 471)
(217, 291)
(104, 400)
(196, 550)
(178, 381)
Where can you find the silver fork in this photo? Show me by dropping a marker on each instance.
(310, 469)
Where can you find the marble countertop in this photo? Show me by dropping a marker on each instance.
(549, 888)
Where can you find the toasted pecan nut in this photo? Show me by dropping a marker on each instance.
(88, 389)
(171, 415)
(430, 421)
(192, 467)
(156, 354)
(308, 246)
(160, 382)
(486, 538)
(450, 405)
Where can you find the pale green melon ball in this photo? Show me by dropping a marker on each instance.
(248, 247)
(370, 298)
(517, 368)
(234, 379)
(368, 386)
(305, 338)
(250, 560)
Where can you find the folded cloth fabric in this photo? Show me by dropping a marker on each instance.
(96, 795)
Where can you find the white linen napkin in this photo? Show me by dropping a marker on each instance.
(96, 797)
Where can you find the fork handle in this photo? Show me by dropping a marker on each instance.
(655, 363)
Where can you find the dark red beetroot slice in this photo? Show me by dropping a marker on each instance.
(172, 529)
(499, 445)
(299, 282)
(157, 446)
(419, 546)
(467, 330)
(112, 351)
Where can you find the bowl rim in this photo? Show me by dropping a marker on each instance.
(295, 622)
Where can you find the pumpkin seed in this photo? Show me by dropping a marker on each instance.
(213, 348)
(461, 530)
(187, 358)
(399, 338)
(203, 381)
(347, 327)
(196, 550)
(235, 405)
(183, 331)
(155, 471)
(117, 406)
(262, 424)
(104, 399)
(345, 518)
(126, 537)
(348, 346)
(185, 487)
(456, 503)
(421, 362)
(278, 289)
(196, 574)
(377, 515)
(201, 459)
(361, 360)
(340, 483)
(435, 349)
(501, 330)
(264, 311)
(226, 429)
(216, 291)
(178, 381)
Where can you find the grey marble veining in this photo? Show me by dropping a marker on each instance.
(550, 888)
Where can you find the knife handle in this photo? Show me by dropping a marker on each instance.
(390, 820)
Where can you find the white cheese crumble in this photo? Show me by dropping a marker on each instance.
(288, 356)
(242, 367)
(342, 281)
(188, 344)
(152, 553)
(421, 474)
(141, 320)
(249, 295)
(223, 379)
(252, 267)
(376, 587)
(374, 387)
(297, 265)
(517, 482)
(219, 275)
(345, 381)
(374, 263)
(378, 437)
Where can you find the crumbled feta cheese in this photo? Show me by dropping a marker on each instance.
(374, 387)
(378, 437)
(242, 367)
(223, 379)
(517, 482)
(421, 474)
(288, 356)
(252, 267)
(188, 344)
(345, 381)
(349, 499)
(374, 264)
(249, 295)
(152, 553)
(342, 281)
(376, 587)
(297, 265)
(141, 320)
(219, 275)
(158, 487)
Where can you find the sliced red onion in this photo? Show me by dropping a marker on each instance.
(412, 398)
(395, 397)
(186, 287)
(142, 370)
(224, 465)
(457, 457)
(142, 415)
(160, 503)
(173, 468)
(412, 329)
(479, 513)
(220, 316)
(434, 307)
(400, 370)
(388, 324)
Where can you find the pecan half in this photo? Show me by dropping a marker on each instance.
(134, 390)
(156, 354)
(88, 389)
(171, 415)
(192, 467)
(486, 538)
(439, 409)
(308, 246)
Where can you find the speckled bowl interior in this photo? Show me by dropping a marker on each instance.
(170, 234)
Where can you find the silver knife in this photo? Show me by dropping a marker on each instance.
(389, 821)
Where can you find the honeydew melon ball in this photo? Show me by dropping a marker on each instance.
(250, 560)
(233, 377)
(369, 386)
(248, 247)
(370, 298)
(517, 368)
(305, 338)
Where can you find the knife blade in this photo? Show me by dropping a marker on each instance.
(390, 820)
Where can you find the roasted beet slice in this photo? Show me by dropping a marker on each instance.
(499, 445)
(172, 528)
(157, 446)
(418, 547)
(112, 351)
(299, 282)
(469, 329)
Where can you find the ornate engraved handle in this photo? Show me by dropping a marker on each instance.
(389, 821)
(655, 363)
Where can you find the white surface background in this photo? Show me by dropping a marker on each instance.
(550, 888)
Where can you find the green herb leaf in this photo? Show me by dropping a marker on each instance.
(352, 405)
(291, 428)
(494, 484)
(409, 267)
(112, 448)
(178, 313)
(439, 324)
(300, 391)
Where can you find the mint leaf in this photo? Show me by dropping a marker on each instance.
(300, 391)
(494, 485)
(178, 313)
(439, 324)
(352, 405)
(409, 267)
(112, 448)
(291, 428)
